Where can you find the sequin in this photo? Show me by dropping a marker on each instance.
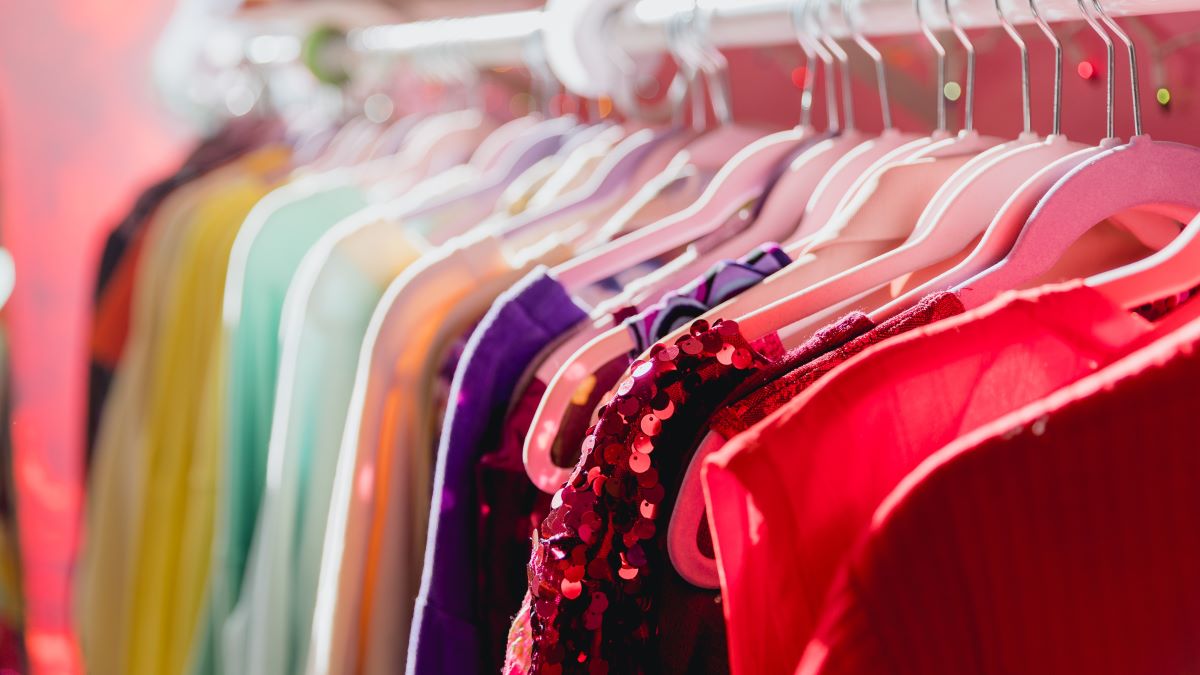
(642, 368)
(643, 444)
(725, 355)
(690, 345)
(600, 541)
(665, 411)
(557, 501)
(650, 425)
(625, 387)
(629, 406)
(742, 358)
(639, 462)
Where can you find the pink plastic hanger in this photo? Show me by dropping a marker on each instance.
(845, 173)
(1172, 271)
(1154, 176)
(741, 181)
(1004, 227)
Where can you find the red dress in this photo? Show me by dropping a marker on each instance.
(788, 498)
(1061, 538)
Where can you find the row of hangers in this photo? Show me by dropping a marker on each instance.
(1015, 206)
(856, 211)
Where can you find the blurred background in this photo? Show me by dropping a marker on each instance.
(99, 99)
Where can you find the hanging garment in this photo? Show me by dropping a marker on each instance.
(269, 248)
(116, 488)
(600, 583)
(509, 507)
(788, 497)
(830, 348)
(1063, 537)
(379, 516)
(324, 319)
(521, 322)
(180, 454)
(113, 289)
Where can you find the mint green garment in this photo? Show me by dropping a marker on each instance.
(325, 318)
(274, 238)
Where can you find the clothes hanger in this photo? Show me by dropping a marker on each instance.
(777, 218)
(785, 204)
(879, 217)
(1006, 225)
(1172, 271)
(1156, 176)
(845, 173)
(742, 180)
(798, 292)
(964, 210)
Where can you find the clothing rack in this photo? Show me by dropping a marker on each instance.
(577, 38)
(498, 39)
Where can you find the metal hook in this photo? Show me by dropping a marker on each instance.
(969, 48)
(800, 18)
(687, 69)
(880, 70)
(1108, 48)
(810, 62)
(843, 61)
(1136, 98)
(1026, 107)
(1056, 127)
(714, 64)
(941, 64)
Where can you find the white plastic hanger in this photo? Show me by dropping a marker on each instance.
(1155, 176)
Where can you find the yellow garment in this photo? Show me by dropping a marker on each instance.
(173, 555)
(114, 501)
(106, 573)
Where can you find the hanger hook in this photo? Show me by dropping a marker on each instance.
(880, 70)
(686, 77)
(1108, 48)
(1056, 127)
(1026, 107)
(969, 48)
(714, 64)
(810, 63)
(1135, 95)
(819, 16)
(940, 51)
(831, 103)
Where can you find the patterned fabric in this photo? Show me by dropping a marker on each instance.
(725, 280)
(733, 419)
(598, 557)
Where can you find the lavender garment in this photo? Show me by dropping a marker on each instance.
(520, 324)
